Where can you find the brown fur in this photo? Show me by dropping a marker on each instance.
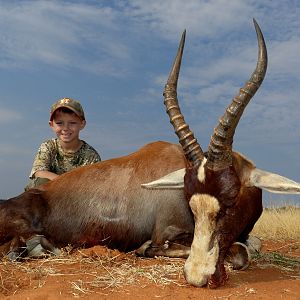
(240, 206)
(105, 204)
(20, 218)
(22, 215)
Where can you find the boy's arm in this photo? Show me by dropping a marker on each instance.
(42, 162)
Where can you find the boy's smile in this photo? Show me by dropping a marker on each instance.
(67, 126)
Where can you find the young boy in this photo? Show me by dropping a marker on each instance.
(66, 152)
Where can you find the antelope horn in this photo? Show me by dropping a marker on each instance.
(191, 148)
(220, 147)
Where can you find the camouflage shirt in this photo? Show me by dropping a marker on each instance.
(51, 157)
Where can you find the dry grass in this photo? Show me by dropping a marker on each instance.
(279, 224)
(106, 272)
(87, 272)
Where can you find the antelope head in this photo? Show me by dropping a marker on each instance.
(223, 187)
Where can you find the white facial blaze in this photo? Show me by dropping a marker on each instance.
(201, 171)
(201, 263)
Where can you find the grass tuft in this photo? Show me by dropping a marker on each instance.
(279, 224)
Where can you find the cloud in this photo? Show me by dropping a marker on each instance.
(284, 59)
(115, 56)
(9, 116)
(200, 18)
(57, 33)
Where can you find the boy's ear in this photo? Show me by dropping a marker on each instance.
(51, 123)
(83, 123)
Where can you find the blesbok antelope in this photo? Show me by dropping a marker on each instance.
(106, 204)
(223, 187)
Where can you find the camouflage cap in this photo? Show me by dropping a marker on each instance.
(69, 103)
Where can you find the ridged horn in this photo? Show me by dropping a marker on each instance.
(220, 147)
(190, 146)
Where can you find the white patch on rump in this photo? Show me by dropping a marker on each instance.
(201, 263)
(201, 171)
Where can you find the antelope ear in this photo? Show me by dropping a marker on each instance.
(273, 183)
(174, 180)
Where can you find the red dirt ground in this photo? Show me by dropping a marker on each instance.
(99, 273)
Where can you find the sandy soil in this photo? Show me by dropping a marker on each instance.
(100, 273)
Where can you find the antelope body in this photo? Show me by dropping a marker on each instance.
(164, 199)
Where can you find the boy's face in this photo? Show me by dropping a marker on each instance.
(66, 126)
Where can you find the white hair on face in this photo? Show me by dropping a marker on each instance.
(202, 260)
(201, 171)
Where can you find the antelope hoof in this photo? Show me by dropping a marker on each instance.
(13, 256)
(238, 256)
(254, 244)
(142, 250)
(38, 246)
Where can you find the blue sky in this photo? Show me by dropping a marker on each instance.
(114, 57)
